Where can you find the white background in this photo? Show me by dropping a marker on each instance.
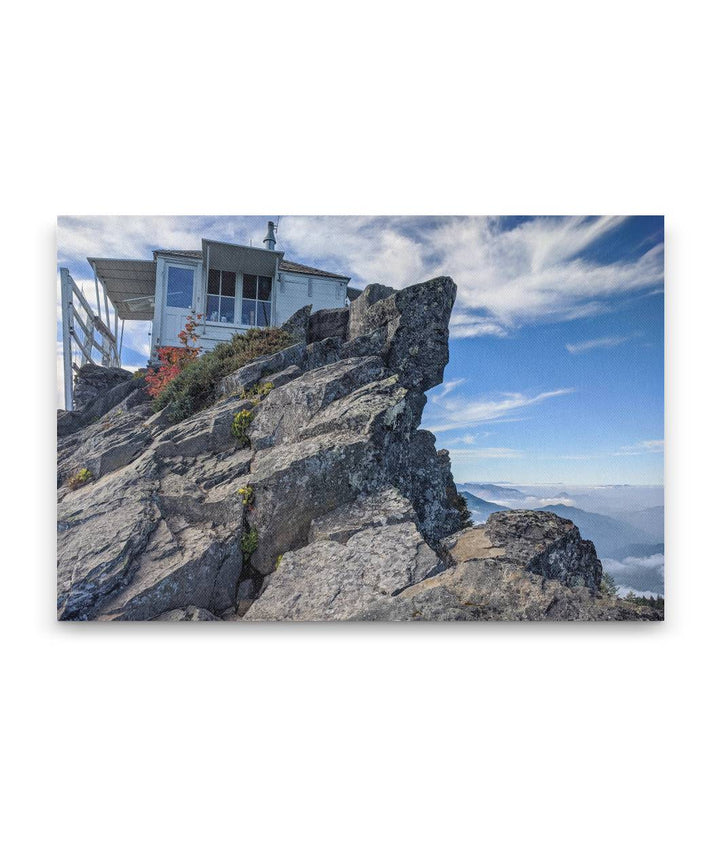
(502, 739)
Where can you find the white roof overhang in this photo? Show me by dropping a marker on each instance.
(130, 286)
(239, 259)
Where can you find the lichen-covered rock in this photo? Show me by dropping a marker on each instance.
(161, 525)
(550, 546)
(121, 387)
(103, 528)
(384, 508)
(328, 324)
(108, 443)
(298, 325)
(520, 567)
(415, 326)
(251, 373)
(326, 502)
(91, 381)
(362, 319)
(187, 613)
(345, 570)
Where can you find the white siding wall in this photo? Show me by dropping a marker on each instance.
(213, 334)
(295, 291)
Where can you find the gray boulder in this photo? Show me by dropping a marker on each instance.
(92, 380)
(298, 325)
(187, 613)
(548, 545)
(385, 508)
(361, 320)
(358, 554)
(328, 324)
(130, 391)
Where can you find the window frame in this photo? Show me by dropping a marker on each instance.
(256, 300)
(239, 290)
(220, 297)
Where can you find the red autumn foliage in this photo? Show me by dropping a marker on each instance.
(173, 360)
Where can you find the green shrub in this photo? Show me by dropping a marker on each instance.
(657, 602)
(194, 388)
(240, 424)
(81, 477)
(459, 503)
(248, 494)
(259, 391)
(249, 543)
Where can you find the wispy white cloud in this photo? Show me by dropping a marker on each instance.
(642, 448)
(370, 249)
(465, 325)
(505, 277)
(643, 575)
(485, 453)
(134, 237)
(460, 412)
(592, 344)
(656, 562)
(446, 388)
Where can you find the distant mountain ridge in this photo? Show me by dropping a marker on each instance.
(612, 538)
(481, 508)
(651, 521)
(495, 491)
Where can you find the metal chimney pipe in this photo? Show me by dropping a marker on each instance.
(269, 239)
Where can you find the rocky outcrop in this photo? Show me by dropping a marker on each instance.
(92, 380)
(332, 505)
(368, 550)
(520, 565)
(97, 390)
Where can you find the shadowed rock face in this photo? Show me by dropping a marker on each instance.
(353, 512)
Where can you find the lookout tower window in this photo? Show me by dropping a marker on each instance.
(221, 296)
(256, 303)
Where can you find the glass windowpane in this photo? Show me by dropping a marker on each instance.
(228, 283)
(264, 287)
(213, 281)
(248, 313)
(179, 287)
(263, 311)
(249, 286)
(213, 308)
(227, 310)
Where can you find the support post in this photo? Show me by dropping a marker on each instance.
(107, 317)
(67, 309)
(97, 291)
(107, 308)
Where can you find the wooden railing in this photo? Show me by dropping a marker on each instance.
(80, 326)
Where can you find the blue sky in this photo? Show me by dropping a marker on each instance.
(556, 353)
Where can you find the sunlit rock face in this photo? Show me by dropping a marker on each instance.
(334, 507)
